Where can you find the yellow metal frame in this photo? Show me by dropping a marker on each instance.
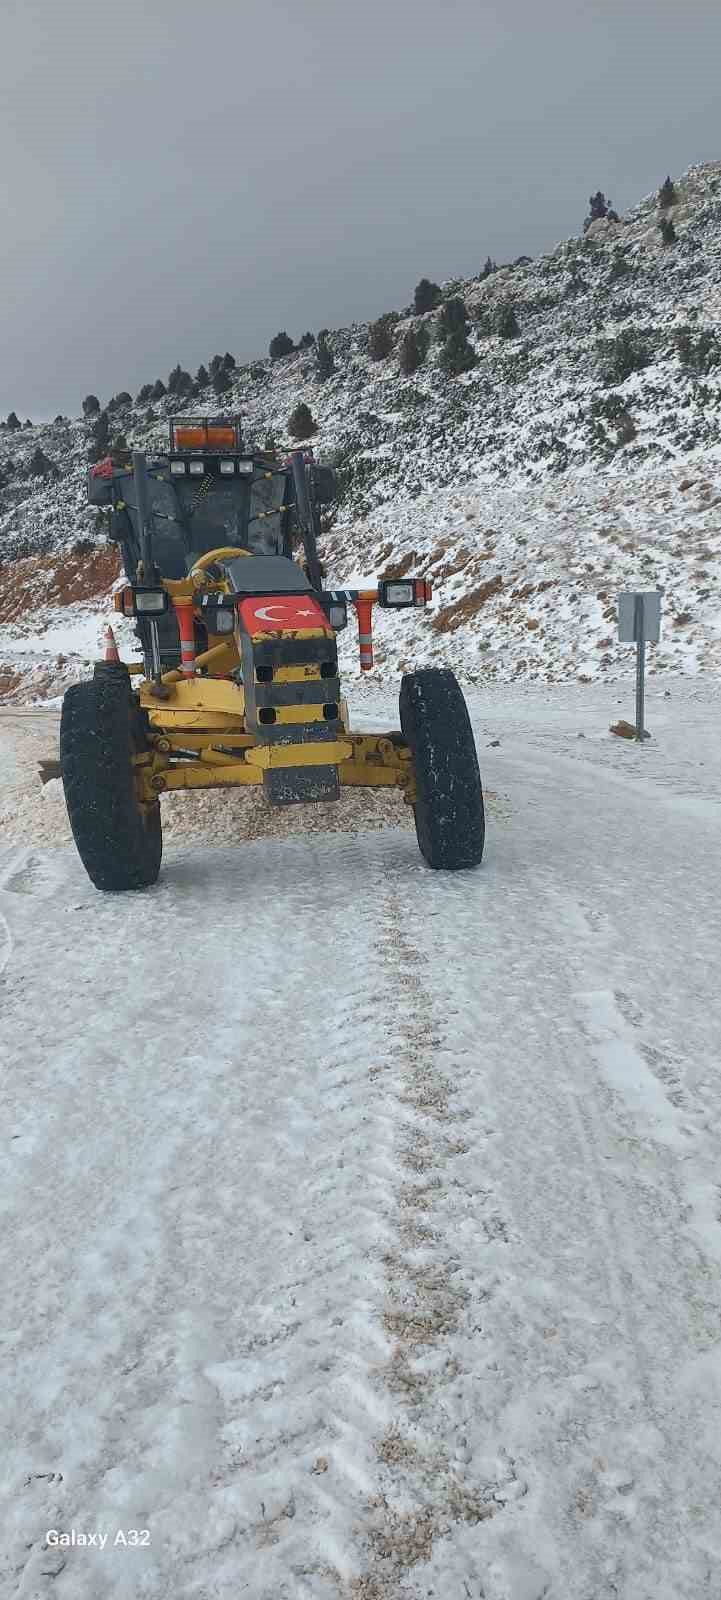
(364, 760)
(203, 718)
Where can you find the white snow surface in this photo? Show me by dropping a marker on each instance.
(361, 1224)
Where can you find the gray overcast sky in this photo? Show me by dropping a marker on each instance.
(186, 176)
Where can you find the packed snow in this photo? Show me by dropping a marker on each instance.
(362, 1223)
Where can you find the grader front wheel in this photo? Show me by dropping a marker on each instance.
(448, 808)
(119, 840)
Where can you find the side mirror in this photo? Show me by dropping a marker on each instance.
(325, 485)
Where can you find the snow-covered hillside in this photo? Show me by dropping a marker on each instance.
(532, 487)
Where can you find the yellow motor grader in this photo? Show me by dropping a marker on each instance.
(239, 679)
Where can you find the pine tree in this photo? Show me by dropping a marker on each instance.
(222, 381)
(159, 389)
(324, 364)
(666, 194)
(414, 346)
(489, 266)
(280, 345)
(307, 341)
(507, 321)
(13, 422)
(426, 296)
(119, 452)
(457, 354)
(628, 352)
(99, 437)
(91, 405)
(300, 422)
(452, 316)
(40, 465)
(180, 382)
(380, 336)
(202, 377)
(229, 362)
(598, 207)
(667, 231)
(144, 395)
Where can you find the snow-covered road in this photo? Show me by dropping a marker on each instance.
(361, 1225)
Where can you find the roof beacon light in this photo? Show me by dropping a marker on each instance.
(205, 435)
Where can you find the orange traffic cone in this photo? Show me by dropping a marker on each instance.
(110, 646)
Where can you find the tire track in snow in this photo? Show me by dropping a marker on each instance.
(427, 1490)
(237, 1196)
(570, 1229)
(6, 943)
(598, 1192)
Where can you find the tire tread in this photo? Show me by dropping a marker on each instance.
(449, 814)
(99, 733)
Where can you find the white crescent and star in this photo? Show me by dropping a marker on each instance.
(264, 612)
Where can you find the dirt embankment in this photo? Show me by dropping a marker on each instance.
(64, 581)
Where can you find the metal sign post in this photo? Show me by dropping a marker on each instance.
(639, 623)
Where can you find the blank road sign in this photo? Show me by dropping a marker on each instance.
(640, 620)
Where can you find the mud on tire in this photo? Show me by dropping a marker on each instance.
(450, 822)
(101, 729)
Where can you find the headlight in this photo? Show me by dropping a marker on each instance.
(399, 594)
(196, 468)
(218, 615)
(246, 467)
(222, 622)
(227, 468)
(409, 592)
(150, 600)
(177, 469)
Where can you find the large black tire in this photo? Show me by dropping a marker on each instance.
(101, 729)
(450, 822)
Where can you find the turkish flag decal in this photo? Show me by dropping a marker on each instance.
(281, 613)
